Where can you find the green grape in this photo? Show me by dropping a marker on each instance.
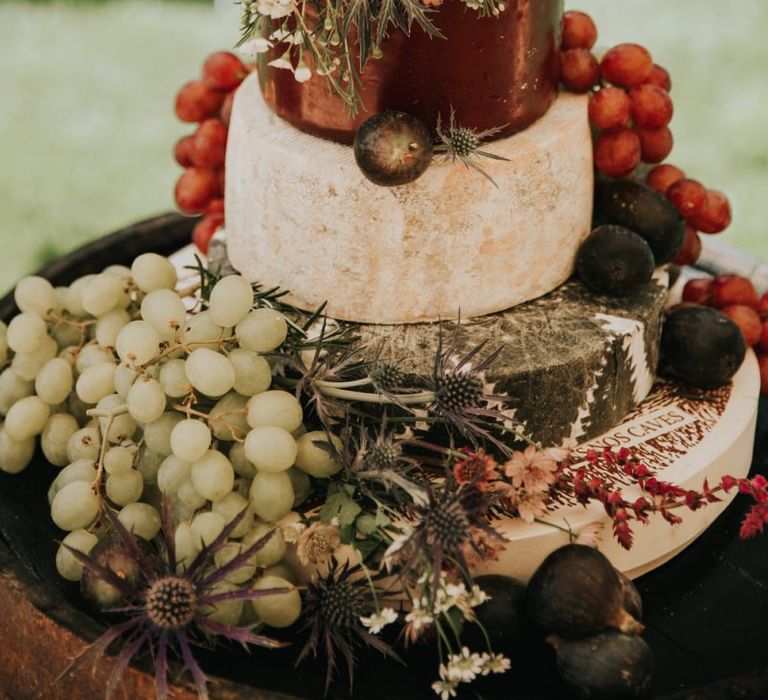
(67, 335)
(240, 462)
(79, 470)
(54, 382)
(84, 444)
(102, 294)
(173, 379)
(302, 486)
(189, 497)
(56, 434)
(313, 456)
(190, 440)
(227, 612)
(35, 295)
(121, 271)
(157, 435)
(122, 426)
(206, 527)
(226, 554)
(12, 389)
(74, 304)
(201, 328)
(230, 506)
(262, 330)
(173, 472)
(227, 415)
(270, 449)
(15, 455)
(151, 271)
(141, 519)
(26, 333)
(75, 506)
(275, 408)
(230, 301)
(108, 327)
(138, 343)
(252, 372)
(125, 376)
(280, 610)
(210, 372)
(271, 495)
(69, 354)
(27, 418)
(96, 383)
(186, 549)
(67, 565)
(78, 409)
(148, 464)
(124, 488)
(213, 476)
(283, 571)
(28, 364)
(165, 311)
(92, 355)
(273, 551)
(118, 460)
(146, 400)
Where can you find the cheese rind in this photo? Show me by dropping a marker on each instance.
(301, 215)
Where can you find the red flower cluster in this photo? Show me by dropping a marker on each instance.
(757, 516)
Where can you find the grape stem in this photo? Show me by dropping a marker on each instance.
(189, 411)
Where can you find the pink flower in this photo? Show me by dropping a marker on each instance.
(535, 470)
(529, 505)
(590, 534)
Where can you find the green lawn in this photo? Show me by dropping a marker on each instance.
(86, 121)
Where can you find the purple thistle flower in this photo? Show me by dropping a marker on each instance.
(166, 610)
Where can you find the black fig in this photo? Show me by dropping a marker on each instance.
(701, 347)
(111, 554)
(633, 603)
(639, 208)
(576, 593)
(393, 148)
(614, 260)
(503, 616)
(608, 665)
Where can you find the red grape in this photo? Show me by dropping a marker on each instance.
(579, 31)
(656, 144)
(580, 71)
(728, 290)
(209, 145)
(763, 363)
(763, 306)
(627, 65)
(688, 196)
(747, 320)
(197, 102)
(698, 291)
(205, 229)
(716, 214)
(651, 107)
(662, 177)
(223, 71)
(222, 175)
(691, 250)
(226, 108)
(763, 342)
(660, 76)
(617, 153)
(195, 189)
(216, 206)
(182, 152)
(609, 109)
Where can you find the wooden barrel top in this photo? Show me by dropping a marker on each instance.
(706, 610)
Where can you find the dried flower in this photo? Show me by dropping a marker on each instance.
(317, 544)
(535, 470)
(528, 505)
(590, 535)
(445, 689)
(378, 621)
(495, 663)
(167, 609)
(477, 468)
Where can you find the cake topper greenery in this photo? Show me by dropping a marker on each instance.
(337, 39)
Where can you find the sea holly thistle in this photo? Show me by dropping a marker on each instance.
(167, 609)
(460, 143)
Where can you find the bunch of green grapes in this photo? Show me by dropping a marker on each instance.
(137, 393)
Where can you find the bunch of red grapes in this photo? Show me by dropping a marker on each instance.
(738, 299)
(630, 110)
(206, 102)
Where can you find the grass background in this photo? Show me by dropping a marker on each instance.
(87, 126)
